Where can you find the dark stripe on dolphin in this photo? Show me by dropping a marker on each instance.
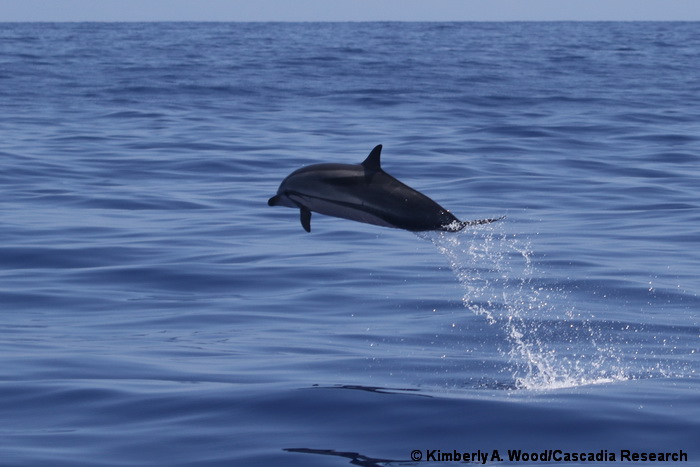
(364, 193)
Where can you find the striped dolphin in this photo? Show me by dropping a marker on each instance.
(364, 193)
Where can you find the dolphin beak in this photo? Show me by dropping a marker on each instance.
(274, 201)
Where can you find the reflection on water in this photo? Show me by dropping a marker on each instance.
(355, 458)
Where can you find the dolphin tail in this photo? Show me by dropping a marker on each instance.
(457, 226)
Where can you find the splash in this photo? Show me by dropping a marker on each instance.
(549, 345)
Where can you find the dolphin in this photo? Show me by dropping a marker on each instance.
(364, 193)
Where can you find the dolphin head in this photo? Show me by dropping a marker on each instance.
(288, 185)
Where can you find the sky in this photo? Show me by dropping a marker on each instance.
(349, 10)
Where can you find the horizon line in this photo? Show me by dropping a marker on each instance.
(362, 21)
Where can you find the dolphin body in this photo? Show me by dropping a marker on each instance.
(364, 193)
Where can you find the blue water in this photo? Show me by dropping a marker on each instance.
(155, 311)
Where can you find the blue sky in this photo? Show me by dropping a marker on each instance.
(348, 10)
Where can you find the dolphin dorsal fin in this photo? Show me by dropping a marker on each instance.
(372, 162)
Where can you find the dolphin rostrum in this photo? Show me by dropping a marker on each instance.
(364, 193)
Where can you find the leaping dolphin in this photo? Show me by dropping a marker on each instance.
(364, 193)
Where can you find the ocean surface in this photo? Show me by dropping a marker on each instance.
(154, 311)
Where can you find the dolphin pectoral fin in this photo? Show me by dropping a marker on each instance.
(305, 217)
(457, 226)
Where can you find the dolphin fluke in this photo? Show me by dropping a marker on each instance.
(462, 224)
(364, 193)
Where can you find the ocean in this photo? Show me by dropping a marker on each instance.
(154, 310)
